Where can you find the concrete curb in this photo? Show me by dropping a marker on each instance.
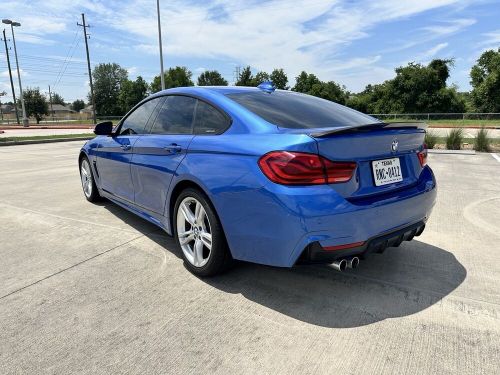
(39, 141)
(33, 127)
(461, 152)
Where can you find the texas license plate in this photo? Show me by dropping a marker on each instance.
(386, 171)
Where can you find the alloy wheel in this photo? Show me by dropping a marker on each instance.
(86, 177)
(194, 232)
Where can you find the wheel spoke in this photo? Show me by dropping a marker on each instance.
(188, 215)
(199, 213)
(198, 253)
(206, 238)
(186, 237)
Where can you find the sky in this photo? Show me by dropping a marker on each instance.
(351, 42)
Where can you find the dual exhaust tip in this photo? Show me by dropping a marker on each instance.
(343, 264)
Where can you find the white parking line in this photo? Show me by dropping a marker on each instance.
(496, 157)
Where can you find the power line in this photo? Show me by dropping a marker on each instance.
(71, 51)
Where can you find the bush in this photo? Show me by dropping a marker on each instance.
(430, 139)
(482, 141)
(454, 139)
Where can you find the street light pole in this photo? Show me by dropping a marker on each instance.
(10, 76)
(162, 78)
(21, 96)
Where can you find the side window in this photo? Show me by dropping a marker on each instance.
(175, 116)
(209, 120)
(136, 122)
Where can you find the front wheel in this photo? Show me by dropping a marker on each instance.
(199, 234)
(88, 183)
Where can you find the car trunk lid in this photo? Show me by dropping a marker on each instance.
(386, 155)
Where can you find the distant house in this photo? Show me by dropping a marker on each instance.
(60, 110)
(87, 110)
(7, 109)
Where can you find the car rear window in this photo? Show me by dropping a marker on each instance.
(288, 109)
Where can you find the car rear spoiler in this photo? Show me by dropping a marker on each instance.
(369, 127)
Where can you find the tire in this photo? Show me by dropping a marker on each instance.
(199, 234)
(88, 182)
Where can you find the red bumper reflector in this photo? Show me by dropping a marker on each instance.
(345, 246)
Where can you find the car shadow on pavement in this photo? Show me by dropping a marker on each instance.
(400, 282)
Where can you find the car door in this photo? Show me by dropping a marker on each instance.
(115, 152)
(158, 154)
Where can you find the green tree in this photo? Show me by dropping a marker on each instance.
(131, 93)
(245, 78)
(180, 76)
(259, 78)
(57, 99)
(304, 82)
(35, 103)
(108, 80)
(280, 79)
(485, 81)
(211, 78)
(78, 105)
(330, 91)
(310, 84)
(415, 89)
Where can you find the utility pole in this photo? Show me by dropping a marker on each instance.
(50, 101)
(237, 72)
(10, 76)
(84, 25)
(162, 78)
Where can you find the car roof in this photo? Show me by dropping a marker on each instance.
(203, 89)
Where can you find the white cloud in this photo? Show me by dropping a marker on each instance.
(492, 38)
(302, 34)
(450, 27)
(132, 71)
(431, 52)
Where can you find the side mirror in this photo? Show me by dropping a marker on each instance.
(104, 128)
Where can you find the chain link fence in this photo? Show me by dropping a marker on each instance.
(469, 118)
(67, 119)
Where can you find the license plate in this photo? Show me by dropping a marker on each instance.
(386, 171)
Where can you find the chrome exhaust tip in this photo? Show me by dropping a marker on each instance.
(353, 262)
(340, 265)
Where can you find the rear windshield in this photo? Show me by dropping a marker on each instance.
(288, 109)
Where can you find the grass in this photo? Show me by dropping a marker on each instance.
(482, 141)
(430, 139)
(454, 139)
(40, 137)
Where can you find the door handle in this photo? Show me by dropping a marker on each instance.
(173, 148)
(125, 147)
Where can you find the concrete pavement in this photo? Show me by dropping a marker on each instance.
(93, 289)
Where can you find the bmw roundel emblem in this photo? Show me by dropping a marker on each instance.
(394, 145)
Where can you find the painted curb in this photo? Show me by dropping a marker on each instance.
(40, 141)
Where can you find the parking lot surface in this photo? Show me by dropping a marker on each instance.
(93, 289)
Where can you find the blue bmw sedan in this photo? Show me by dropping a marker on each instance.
(263, 175)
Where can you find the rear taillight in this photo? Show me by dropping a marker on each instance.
(422, 156)
(300, 168)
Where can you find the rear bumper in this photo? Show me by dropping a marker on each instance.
(275, 224)
(315, 253)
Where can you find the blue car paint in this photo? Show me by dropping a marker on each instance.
(266, 222)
